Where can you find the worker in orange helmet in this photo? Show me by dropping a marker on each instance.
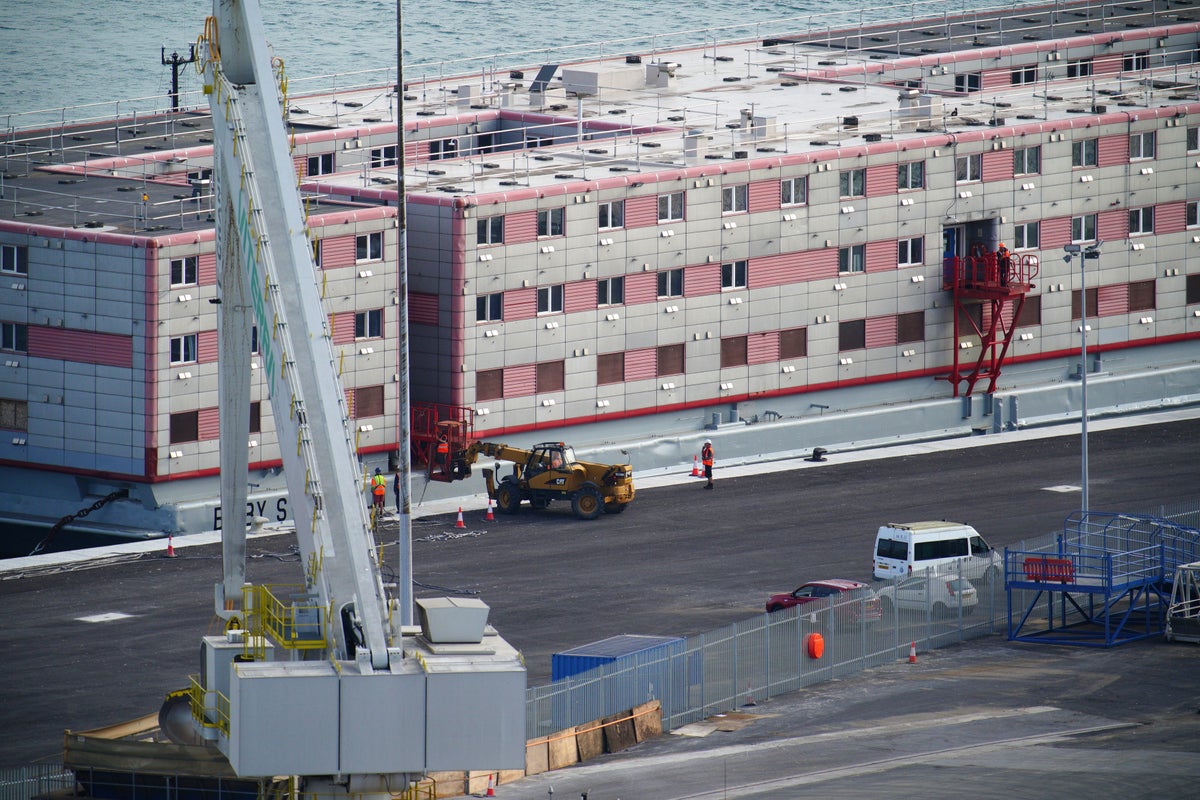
(706, 458)
(1003, 263)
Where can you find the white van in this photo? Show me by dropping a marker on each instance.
(902, 548)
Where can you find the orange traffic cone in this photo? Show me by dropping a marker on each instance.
(170, 547)
(912, 653)
(749, 696)
(491, 790)
(460, 523)
(490, 516)
(695, 467)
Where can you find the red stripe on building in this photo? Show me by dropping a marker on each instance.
(206, 269)
(881, 331)
(208, 424)
(1055, 232)
(702, 279)
(804, 265)
(641, 364)
(520, 227)
(1106, 65)
(579, 296)
(882, 179)
(520, 381)
(206, 347)
(1169, 218)
(338, 251)
(1112, 225)
(764, 196)
(882, 256)
(995, 79)
(762, 348)
(341, 327)
(301, 165)
(641, 212)
(641, 288)
(422, 308)
(998, 165)
(1111, 300)
(83, 347)
(520, 304)
(1112, 150)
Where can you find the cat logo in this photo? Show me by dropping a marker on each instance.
(559, 482)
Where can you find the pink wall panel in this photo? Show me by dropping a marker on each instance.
(881, 331)
(342, 327)
(1055, 232)
(641, 212)
(84, 347)
(337, 251)
(881, 256)
(1112, 299)
(1112, 150)
(641, 364)
(209, 424)
(520, 304)
(882, 180)
(521, 227)
(520, 381)
(997, 165)
(579, 296)
(422, 308)
(764, 195)
(206, 266)
(702, 279)
(762, 348)
(641, 287)
(1169, 218)
(206, 347)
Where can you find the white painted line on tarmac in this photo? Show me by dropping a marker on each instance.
(111, 616)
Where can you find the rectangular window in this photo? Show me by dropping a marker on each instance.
(853, 183)
(910, 327)
(968, 168)
(1083, 229)
(1031, 312)
(14, 260)
(368, 402)
(967, 82)
(1141, 220)
(368, 324)
(1191, 213)
(445, 148)
(670, 283)
(550, 221)
(185, 427)
(1079, 69)
(1083, 153)
(670, 207)
(369, 246)
(489, 230)
(852, 259)
(911, 175)
(551, 377)
(253, 338)
(1142, 295)
(1141, 145)
(256, 417)
(1192, 289)
(320, 165)
(384, 156)
(793, 343)
(1022, 75)
(489, 384)
(489, 307)
(1193, 139)
(610, 368)
(793, 191)
(911, 251)
(183, 271)
(852, 335)
(183, 349)
(670, 359)
(1027, 160)
(1093, 303)
(1026, 235)
(1132, 62)
(734, 199)
(733, 351)
(14, 415)
(14, 336)
(550, 299)
(733, 275)
(316, 252)
(611, 215)
(610, 291)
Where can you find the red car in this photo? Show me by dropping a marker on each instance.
(859, 602)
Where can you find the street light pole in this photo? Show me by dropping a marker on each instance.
(1084, 253)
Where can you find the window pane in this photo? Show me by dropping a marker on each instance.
(733, 351)
(551, 376)
(489, 384)
(670, 359)
(368, 401)
(185, 427)
(610, 368)
(852, 335)
(793, 343)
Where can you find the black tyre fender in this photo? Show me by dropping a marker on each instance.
(587, 503)
(508, 495)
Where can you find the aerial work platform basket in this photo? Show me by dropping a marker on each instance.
(1183, 615)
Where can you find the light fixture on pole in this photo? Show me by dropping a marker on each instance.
(1084, 253)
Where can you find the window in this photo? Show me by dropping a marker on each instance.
(670, 359)
(852, 259)
(316, 252)
(793, 191)
(1031, 312)
(1193, 139)
(489, 384)
(14, 415)
(384, 156)
(368, 324)
(1025, 235)
(968, 168)
(1192, 289)
(852, 335)
(489, 230)
(910, 327)
(1021, 75)
(183, 271)
(443, 148)
(610, 291)
(670, 283)
(256, 417)
(853, 183)
(670, 207)
(550, 221)
(734, 199)
(793, 343)
(1141, 220)
(253, 338)
(14, 260)
(911, 175)
(910, 251)
(968, 82)
(1083, 229)
(369, 246)
(611, 215)
(1191, 213)
(551, 377)
(1142, 295)
(1135, 61)
(489, 307)
(1083, 153)
(183, 349)
(1079, 69)
(320, 165)
(368, 402)
(185, 427)
(1141, 145)
(733, 276)
(733, 351)
(1027, 160)
(1093, 303)
(610, 368)
(550, 299)
(14, 336)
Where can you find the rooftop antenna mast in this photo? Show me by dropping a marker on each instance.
(176, 61)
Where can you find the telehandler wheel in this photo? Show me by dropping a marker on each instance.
(587, 503)
(508, 495)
